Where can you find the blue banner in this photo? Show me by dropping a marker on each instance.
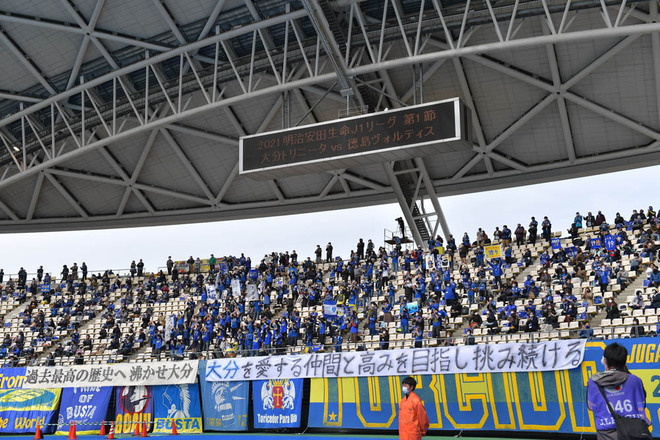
(610, 242)
(225, 404)
(551, 401)
(85, 406)
(177, 404)
(11, 378)
(595, 243)
(571, 252)
(329, 308)
(134, 405)
(556, 243)
(412, 307)
(21, 410)
(277, 403)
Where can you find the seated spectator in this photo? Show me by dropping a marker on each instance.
(637, 330)
(586, 332)
(655, 301)
(475, 320)
(588, 296)
(469, 340)
(612, 310)
(384, 340)
(514, 322)
(638, 301)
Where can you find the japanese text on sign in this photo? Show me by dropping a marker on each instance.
(544, 356)
(153, 373)
(406, 127)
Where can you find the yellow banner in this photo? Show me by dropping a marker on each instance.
(493, 251)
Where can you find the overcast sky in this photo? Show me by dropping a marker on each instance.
(115, 248)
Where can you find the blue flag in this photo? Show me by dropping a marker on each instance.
(85, 406)
(610, 242)
(412, 307)
(595, 243)
(277, 403)
(177, 404)
(571, 252)
(225, 403)
(329, 308)
(556, 243)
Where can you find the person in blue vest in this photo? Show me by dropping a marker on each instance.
(496, 267)
(625, 393)
(338, 341)
(404, 321)
(418, 336)
(450, 293)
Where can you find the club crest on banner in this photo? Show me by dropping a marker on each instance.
(278, 394)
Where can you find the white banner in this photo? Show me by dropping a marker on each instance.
(170, 322)
(252, 294)
(236, 287)
(211, 292)
(543, 356)
(150, 373)
(330, 309)
(430, 261)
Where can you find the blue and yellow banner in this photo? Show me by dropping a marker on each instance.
(553, 401)
(178, 404)
(225, 404)
(21, 410)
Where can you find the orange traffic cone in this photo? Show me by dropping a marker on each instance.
(38, 435)
(102, 431)
(137, 430)
(112, 431)
(72, 431)
(144, 429)
(174, 432)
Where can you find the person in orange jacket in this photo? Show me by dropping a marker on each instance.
(413, 421)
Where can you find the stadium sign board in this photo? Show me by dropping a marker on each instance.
(434, 128)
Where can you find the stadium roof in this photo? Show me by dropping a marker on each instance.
(128, 112)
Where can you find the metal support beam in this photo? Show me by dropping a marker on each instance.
(35, 196)
(67, 195)
(330, 46)
(430, 191)
(25, 61)
(403, 204)
(187, 163)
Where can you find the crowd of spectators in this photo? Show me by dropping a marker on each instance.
(235, 307)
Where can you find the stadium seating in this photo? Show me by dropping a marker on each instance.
(160, 316)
